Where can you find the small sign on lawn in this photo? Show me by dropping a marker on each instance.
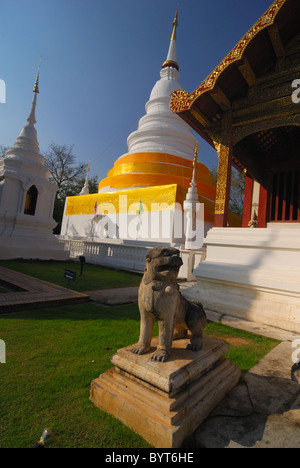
(70, 275)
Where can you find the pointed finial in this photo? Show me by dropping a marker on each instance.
(175, 24)
(195, 156)
(193, 181)
(36, 84)
(171, 60)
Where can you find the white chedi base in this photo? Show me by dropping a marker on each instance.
(32, 248)
(19, 240)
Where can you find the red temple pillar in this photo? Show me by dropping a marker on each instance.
(247, 201)
(262, 208)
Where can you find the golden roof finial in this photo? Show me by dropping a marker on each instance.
(171, 60)
(175, 24)
(36, 84)
(195, 156)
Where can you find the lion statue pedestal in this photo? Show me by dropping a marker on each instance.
(164, 387)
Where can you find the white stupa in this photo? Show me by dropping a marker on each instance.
(27, 198)
(161, 150)
(158, 131)
(153, 177)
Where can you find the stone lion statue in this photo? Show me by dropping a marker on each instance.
(160, 299)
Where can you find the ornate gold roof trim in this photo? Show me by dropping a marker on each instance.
(183, 101)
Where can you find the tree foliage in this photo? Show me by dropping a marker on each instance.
(68, 175)
(65, 171)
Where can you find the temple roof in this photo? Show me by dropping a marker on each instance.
(255, 55)
(243, 64)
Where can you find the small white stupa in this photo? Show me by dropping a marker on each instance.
(27, 198)
(194, 213)
(85, 189)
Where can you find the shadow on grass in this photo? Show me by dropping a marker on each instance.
(94, 277)
(86, 311)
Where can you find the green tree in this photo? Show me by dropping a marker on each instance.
(68, 175)
(73, 190)
(77, 186)
(65, 171)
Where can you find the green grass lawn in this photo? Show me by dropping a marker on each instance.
(246, 349)
(94, 277)
(49, 368)
(53, 354)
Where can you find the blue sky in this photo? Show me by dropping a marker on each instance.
(100, 61)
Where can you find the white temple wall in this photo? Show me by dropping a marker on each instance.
(10, 194)
(253, 274)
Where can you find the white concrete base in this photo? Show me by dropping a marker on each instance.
(269, 307)
(253, 274)
(23, 241)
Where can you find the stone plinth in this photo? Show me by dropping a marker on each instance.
(166, 402)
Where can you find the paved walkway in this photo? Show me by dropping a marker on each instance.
(113, 297)
(263, 410)
(30, 293)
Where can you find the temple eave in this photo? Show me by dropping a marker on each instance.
(183, 101)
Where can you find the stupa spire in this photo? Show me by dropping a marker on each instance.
(191, 207)
(28, 136)
(175, 24)
(36, 84)
(31, 118)
(193, 182)
(171, 60)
